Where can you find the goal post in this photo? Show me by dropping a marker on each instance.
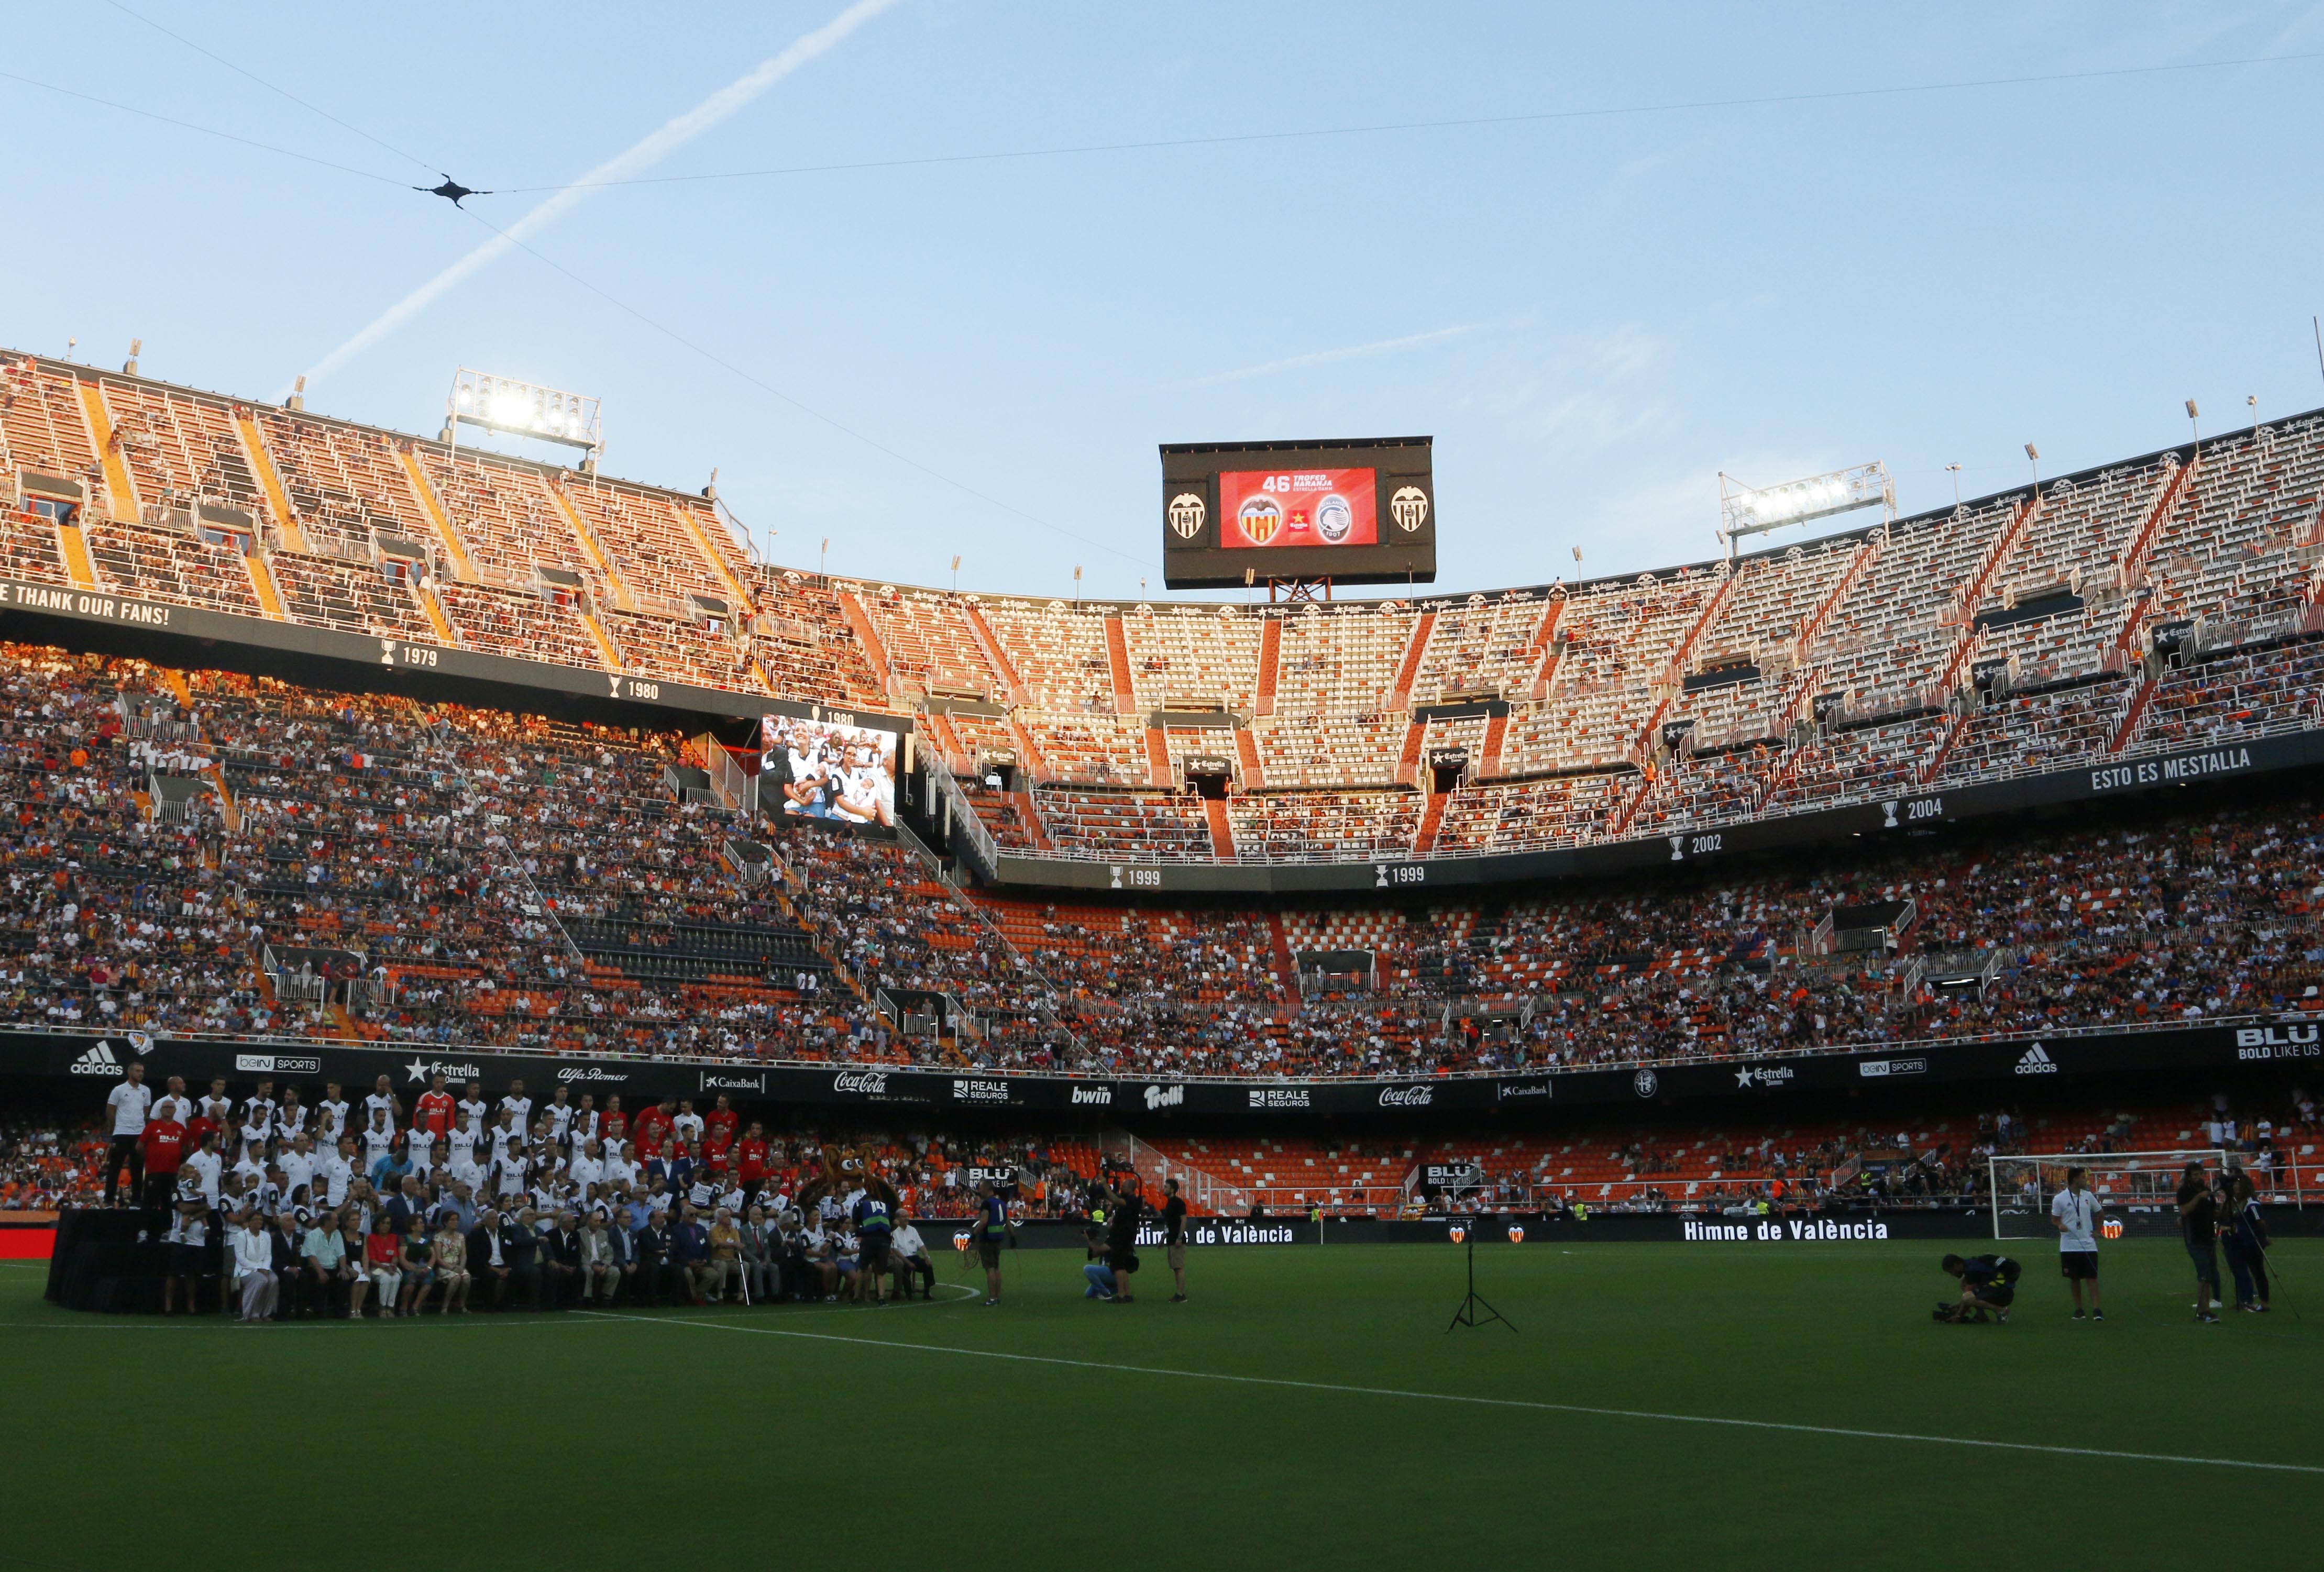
(2019, 1187)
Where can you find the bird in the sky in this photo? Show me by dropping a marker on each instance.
(451, 190)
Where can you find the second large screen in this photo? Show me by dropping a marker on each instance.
(1298, 507)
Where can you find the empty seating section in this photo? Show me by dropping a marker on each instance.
(1193, 658)
(1481, 646)
(1612, 642)
(660, 558)
(982, 736)
(930, 648)
(46, 428)
(1092, 749)
(2240, 551)
(1759, 629)
(353, 597)
(1885, 645)
(2075, 542)
(1145, 826)
(180, 449)
(165, 564)
(803, 644)
(1324, 826)
(1058, 649)
(510, 524)
(343, 483)
(1331, 725)
(518, 622)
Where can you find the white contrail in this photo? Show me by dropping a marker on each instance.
(644, 155)
(1326, 356)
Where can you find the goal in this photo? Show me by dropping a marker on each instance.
(2018, 1189)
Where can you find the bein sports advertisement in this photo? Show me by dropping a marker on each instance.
(1352, 511)
(841, 774)
(1326, 507)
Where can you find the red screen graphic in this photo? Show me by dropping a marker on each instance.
(1298, 507)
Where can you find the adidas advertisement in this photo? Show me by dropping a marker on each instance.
(97, 1060)
(2036, 1060)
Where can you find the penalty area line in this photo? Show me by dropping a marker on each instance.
(1528, 1405)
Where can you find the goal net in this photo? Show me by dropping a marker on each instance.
(2019, 1187)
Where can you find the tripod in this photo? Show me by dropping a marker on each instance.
(1467, 1315)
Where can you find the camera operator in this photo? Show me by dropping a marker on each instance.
(1988, 1285)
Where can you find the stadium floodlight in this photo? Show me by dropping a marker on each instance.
(1754, 510)
(524, 410)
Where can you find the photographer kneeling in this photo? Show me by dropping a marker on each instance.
(1988, 1285)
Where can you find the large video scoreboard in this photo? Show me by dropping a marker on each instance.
(1359, 511)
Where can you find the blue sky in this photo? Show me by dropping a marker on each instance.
(1592, 316)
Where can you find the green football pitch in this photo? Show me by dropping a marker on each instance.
(1722, 1406)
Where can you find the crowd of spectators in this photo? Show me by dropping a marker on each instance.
(206, 852)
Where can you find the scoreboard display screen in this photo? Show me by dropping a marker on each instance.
(1356, 513)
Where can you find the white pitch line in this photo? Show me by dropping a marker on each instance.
(1516, 1402)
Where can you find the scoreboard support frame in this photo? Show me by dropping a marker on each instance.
(1300, 592)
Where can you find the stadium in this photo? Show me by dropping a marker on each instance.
(467, 900)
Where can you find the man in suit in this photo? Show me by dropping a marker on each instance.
(608, 1258)
(290, 1266)
(690, 1254)
(486, 1263)
(521, 1249)
(560, 1261)
(653, 1243)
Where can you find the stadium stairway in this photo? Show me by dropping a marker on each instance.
(1497, 733)
(1423, 839)
(1415, 650)
(1270, 666)
(1117, 660)
(120, 487)
(1247, 752)
(1004, 668)
(1544, 642)
(262, 583)
(595, 550)
(1030, 817)
(1214, 809)
(72, 550)
(432, 510)
(270, 483)
(859, 622)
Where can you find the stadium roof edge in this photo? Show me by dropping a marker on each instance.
(2183, 451)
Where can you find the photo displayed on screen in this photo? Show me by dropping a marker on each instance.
(817, 769)
(1312, 507)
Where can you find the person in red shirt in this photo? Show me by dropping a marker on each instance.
(433, 1111)
(205, 1122)
(163, 1145)
(615, 1125)
(654, 1123)
(719, 1127)
(751, 1163)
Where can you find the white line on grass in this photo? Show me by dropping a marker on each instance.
(1516, 1402)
